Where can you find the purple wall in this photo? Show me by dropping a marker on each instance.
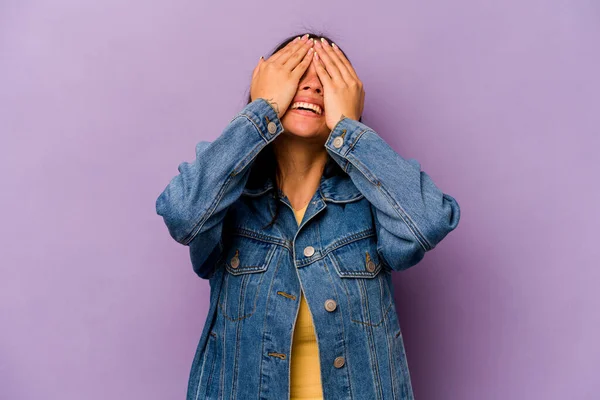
(101, 100)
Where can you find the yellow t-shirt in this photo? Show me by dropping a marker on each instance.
(305, 374)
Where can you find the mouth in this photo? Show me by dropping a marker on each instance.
(306, 113)
(308, 109)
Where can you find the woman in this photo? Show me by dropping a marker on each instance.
(297, 214)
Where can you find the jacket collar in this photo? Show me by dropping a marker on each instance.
(336, 185)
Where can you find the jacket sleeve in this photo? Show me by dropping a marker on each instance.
(412, 215)
(194, 203)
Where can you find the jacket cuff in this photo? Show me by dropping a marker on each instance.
(344, 136)
(264, 117)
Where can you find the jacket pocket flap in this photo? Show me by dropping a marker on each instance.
(357, 259)
(245, 255)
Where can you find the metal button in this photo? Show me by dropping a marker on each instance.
(337, 142)
(370, 266)
(309, 251)
(235, 262)
(272, 127)
(339, 362)
(330, 305)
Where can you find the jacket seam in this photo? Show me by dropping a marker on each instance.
(239, 231)
(372, 342)
(390, 352)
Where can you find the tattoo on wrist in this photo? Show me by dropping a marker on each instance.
(274, 105)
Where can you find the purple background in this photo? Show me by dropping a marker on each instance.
(101, 100)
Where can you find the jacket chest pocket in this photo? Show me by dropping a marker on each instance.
(246, 260)
(364, 281)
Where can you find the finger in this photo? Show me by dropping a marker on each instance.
(304, 64)
(344, 60)
(282, 55)
(331, 68)
(324, 76)
(275, 56)
(362, 102)
(293, 56)
(260, 61)
(336, 60)
(298, 56)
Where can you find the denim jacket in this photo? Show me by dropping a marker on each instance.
(373, 213)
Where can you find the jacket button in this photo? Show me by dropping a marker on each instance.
(309, 251)
(339, 362)
(330, 305)
(235, 262)
(337, 142)
(370, 266)
(272, 127)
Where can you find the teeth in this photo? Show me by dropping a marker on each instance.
(314, 107)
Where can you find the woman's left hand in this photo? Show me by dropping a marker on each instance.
(343, 93)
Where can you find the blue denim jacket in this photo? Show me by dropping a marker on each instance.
(373, 213)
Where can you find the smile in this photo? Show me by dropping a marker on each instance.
(310, 114)
(312, 108)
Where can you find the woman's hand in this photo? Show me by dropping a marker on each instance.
(276, 79)
(343, 93)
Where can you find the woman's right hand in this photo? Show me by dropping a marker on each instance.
(276, 79)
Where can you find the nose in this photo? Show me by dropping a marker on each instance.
(310, 80)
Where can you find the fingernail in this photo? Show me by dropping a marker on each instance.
(334, 45)
(297, 38)
(305, 36)
(324, 41)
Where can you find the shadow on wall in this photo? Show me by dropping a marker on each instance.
(447, 328)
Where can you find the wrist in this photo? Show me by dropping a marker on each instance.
(342, 116)
(275, 105)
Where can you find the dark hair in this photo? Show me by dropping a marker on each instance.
(266, 162)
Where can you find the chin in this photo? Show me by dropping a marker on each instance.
(304, 127)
